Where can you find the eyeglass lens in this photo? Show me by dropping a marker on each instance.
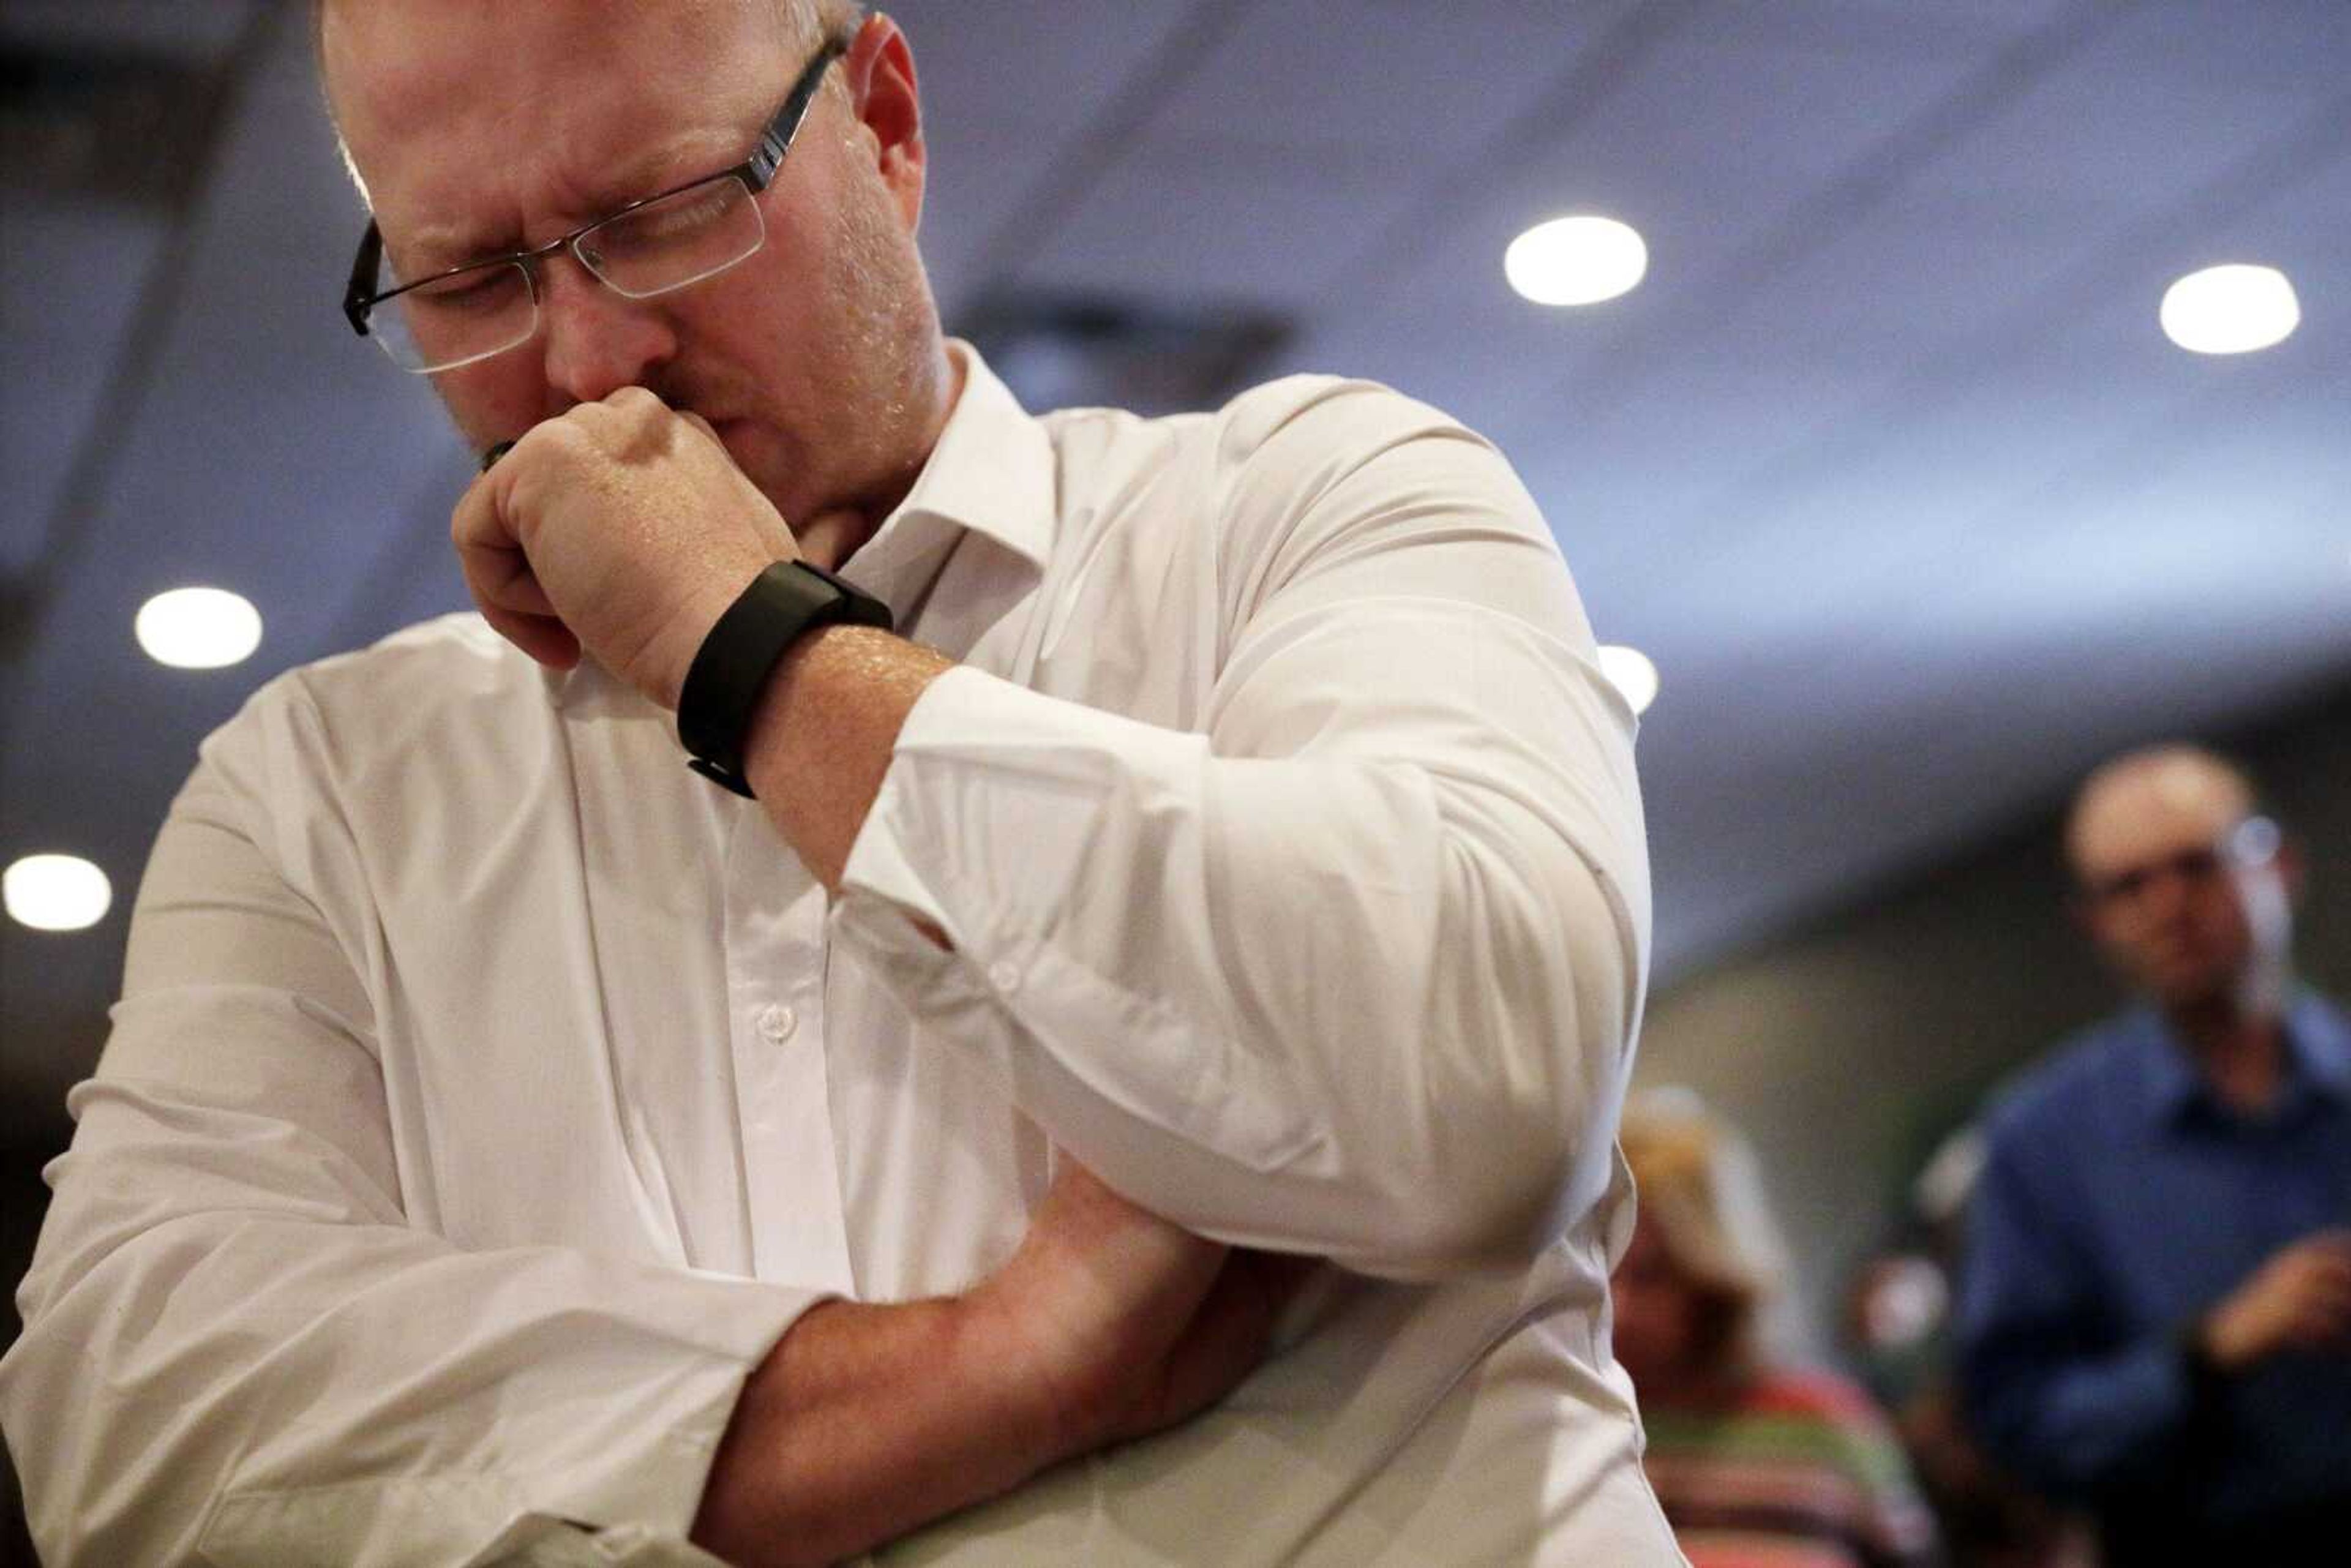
(2194, 867)
(667, 244)
(682, 238)
(454, 321)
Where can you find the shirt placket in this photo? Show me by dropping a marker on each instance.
(775, 1023)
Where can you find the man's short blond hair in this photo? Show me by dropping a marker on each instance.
(799, 25)
(801, 20)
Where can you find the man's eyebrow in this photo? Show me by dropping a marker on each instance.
(654, 170)
(435, 248)
(647, 172)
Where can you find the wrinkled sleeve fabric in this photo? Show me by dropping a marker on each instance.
(1355, 968)
(2050, 1389)
(236, 1348)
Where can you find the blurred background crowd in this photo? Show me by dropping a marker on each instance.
(2113, 1321)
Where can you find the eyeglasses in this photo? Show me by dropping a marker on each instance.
(2191, 868)
(2251, 842)
(664, 242)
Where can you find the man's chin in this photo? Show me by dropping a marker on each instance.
(2195, 991)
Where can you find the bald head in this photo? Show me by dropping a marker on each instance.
(2149, 799)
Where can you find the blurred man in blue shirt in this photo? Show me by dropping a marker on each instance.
(2155, 1316)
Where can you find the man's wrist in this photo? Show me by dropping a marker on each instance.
(992, 1354)
(823, 732)
(783, 604)
(996, 1337)
(2202, 1355)
(863, 1423)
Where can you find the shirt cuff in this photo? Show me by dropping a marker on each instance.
(987, 866)
(1058, 848)
(627, 1496)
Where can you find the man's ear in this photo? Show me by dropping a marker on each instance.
(880, 71)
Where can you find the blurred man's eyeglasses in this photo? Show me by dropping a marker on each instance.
(664, 242)
(2251, 842)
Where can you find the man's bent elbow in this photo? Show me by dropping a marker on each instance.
(1500, 1187)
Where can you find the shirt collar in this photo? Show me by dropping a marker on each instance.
(2317, 1062)
(2318, 1042)
(2168, 1079)
(991, 474)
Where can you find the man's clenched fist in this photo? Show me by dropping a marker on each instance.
(620, 527)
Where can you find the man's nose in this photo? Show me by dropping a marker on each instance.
(597, 341)
(2169, 892)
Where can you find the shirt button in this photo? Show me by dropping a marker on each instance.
(776, 1023)
(1004, 977)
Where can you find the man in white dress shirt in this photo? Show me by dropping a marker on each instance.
(1134, 1079)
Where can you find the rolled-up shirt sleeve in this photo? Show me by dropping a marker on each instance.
(1353, 967)
(236, 1347)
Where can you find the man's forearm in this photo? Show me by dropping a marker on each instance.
(822, 738)
(864, 1423)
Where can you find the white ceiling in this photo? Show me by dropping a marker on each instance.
(1886, 465)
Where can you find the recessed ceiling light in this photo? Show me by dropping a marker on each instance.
(1576, 261)
(56, 892)
(2231, 309)
(199, 628)
(1631, 672)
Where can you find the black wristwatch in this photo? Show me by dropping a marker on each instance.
(723, 684)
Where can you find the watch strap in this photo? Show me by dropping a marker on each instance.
(731, 668)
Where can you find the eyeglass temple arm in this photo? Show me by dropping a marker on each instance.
(361, 287)
(777, 139)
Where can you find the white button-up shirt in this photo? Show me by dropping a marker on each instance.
(489, 1094)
